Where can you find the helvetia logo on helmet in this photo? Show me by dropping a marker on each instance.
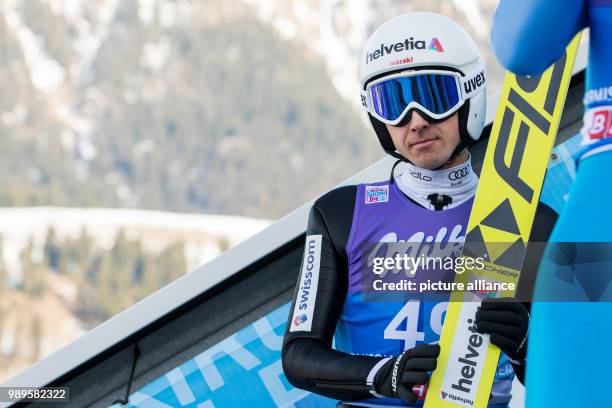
(436, 45)
(407, 45)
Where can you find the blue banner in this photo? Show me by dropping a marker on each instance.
(243, 370)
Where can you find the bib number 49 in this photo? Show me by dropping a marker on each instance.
(409, 332)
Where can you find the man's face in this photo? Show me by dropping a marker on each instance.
(427, 145)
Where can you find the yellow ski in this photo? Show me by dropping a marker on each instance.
(514, 166)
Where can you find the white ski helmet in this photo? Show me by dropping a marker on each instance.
(423, 40)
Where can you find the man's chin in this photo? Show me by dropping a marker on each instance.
(429, 164)
(429, 159)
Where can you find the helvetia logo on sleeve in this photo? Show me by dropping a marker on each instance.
(308, 284)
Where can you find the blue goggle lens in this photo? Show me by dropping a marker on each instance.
(436, 93)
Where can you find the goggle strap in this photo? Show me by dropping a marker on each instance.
(364, 99)
(473, 83)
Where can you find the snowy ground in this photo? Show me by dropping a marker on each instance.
(204, 235)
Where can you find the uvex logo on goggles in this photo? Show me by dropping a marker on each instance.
(470, 85)
(407, 45)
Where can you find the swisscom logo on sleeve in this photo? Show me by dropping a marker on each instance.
(309, 281)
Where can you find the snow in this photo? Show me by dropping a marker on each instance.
(87, 151)
(46, 74)
(111, 178)
(340, 55)
(154, 55)
(146, 11)
(34, 174)
(68, 139)
(124, 193)
(337, 30)
(185, 11)
(286, 28)
(14, 117)
(143, 147)
(75, 122)
(199, 254)
(156, 229)
(7, 341)
(106, 13)
(314, 23)
(471, 10)
(89, 35)
(168, 14)
(68, 8)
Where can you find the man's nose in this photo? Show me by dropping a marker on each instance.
(417, 122)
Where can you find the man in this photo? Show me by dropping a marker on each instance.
(423, 87)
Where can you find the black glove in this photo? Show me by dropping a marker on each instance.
(397, 377)
(507, 321)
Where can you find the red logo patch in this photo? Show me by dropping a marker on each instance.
(600, 126)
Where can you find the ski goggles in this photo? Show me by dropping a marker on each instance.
(436, 93)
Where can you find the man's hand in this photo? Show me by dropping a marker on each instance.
(507, 321)
(397, 377)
